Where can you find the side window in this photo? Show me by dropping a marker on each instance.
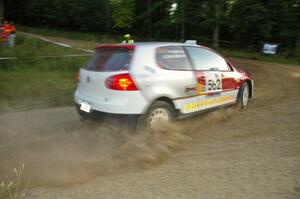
(204, 59)
(172, 58)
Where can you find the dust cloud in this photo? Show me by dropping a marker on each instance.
(59, 150)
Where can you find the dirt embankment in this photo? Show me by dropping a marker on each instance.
(223, 154)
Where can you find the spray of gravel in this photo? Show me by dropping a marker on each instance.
(58, 150)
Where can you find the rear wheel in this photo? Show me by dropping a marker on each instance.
(243, 96)
(159, 111)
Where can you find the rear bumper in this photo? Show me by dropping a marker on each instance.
(94, 114)
(131, 103)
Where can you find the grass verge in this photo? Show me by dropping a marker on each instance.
(260, 57)
(30, 82)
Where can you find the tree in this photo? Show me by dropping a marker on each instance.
(123, 13)
(249, 24)
(152, 18)
(1, 10)
(182, 19)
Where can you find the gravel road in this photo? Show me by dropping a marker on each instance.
(254, 153)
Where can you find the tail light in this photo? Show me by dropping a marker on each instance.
(121, 82)
(77, 77)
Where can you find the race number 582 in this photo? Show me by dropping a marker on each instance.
(214, 85)
(213, 82)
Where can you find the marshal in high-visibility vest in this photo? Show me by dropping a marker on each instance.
(127, 39)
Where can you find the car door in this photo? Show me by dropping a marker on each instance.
(214, 79)
(174, 77)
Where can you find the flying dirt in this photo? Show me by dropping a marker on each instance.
(229, 153)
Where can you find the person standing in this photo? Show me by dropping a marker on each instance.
(5, 30)
(127, 39)
(12, 35)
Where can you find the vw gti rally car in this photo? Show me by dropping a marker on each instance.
(159, 81)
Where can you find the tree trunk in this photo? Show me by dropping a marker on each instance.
(182, 16)
(217, 25)
(1, 11)
(216, 36)
(149, 19)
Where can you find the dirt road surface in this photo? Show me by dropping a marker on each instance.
(224, 154)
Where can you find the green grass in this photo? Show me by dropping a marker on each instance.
(28, 83)
(28, 47)
(261, 57)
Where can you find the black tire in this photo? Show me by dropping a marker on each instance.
(243, 96)
(143, 120)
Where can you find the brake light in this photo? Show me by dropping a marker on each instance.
(121, 82)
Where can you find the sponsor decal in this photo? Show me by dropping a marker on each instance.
(200, 89)
(196, 106)
(237, 80)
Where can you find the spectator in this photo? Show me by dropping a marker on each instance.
(4, 31)
(12, 35)
(127, 39)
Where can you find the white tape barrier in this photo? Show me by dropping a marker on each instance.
(63, 44)
(85, 50)
(40, 57)
(53, 42)
(59, 56)
(7, 58)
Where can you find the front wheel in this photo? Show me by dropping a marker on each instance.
(243, 96)
(159, 111)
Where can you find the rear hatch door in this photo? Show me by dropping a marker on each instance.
(107, 61)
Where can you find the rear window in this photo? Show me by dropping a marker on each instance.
(172, 58)
(110, 60)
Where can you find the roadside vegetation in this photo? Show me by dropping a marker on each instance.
(13, 188)
(31, 81)
(228, 51)
(244, 25)
(259, 56)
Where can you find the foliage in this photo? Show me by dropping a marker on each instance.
(245, 23)
(122, 14)
(259, 56)
(80, 15)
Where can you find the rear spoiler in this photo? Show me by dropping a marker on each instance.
(126, 46)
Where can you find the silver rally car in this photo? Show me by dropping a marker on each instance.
(159, 81)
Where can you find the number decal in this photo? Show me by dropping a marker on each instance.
(218, 82)
(213, 82)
